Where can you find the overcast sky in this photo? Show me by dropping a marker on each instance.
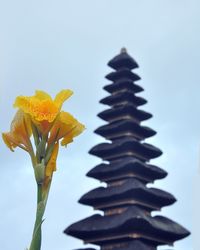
(53, 45)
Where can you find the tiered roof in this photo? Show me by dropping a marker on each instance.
(126, 201)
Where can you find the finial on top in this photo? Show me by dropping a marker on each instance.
(123, 50)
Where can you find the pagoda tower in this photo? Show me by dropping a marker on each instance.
(126, 201)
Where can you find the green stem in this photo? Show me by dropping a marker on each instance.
(37, 232)
(46, 195)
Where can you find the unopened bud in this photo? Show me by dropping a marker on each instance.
(40, 172)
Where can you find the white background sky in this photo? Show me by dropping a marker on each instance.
(52, 45)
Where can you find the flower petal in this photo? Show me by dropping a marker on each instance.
(39, 110)
(22, 102)
(61, 97)
(20, 131)
(77, 130)
(42, 95)
(63, 126)
(51, 165)
(8, 140)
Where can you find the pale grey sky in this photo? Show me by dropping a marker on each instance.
(52, 45)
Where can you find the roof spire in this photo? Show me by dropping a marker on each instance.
(123, 50)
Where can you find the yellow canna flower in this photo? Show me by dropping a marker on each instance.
(41, 117)
(66, 127)
(20, 132)
(42, 108)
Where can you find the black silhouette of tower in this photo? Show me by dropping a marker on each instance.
(127, 203)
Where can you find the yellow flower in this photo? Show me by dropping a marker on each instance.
(66, 127)
(42, 108)
(20, 132)
(41, 117)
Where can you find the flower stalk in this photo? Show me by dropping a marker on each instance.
(37, 232)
